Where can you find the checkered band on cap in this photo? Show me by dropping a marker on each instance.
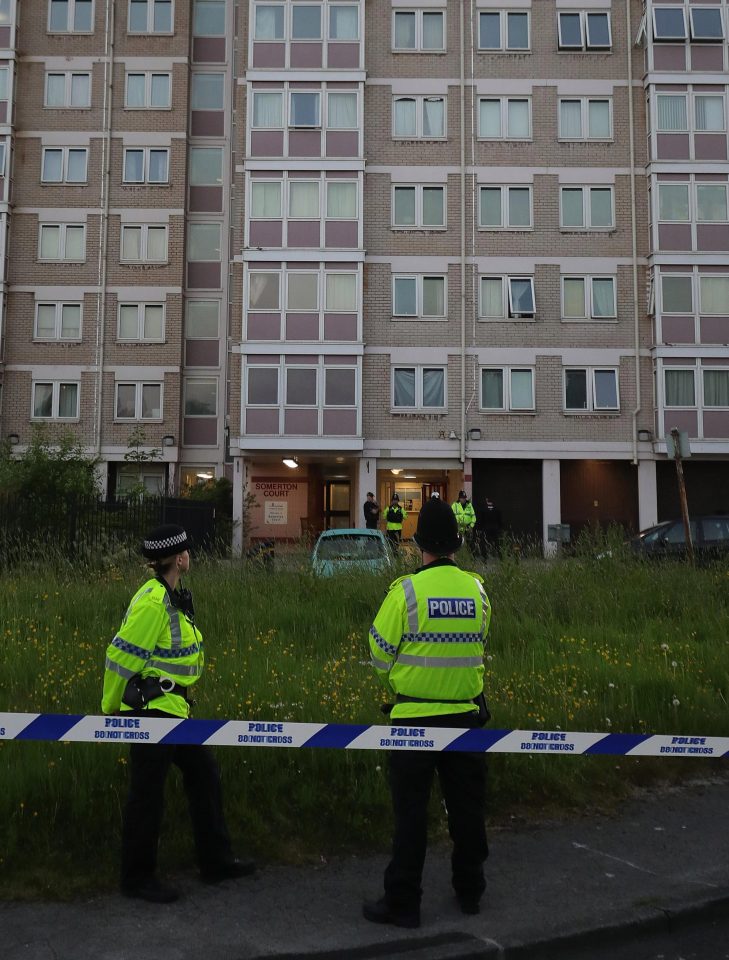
(166, 543)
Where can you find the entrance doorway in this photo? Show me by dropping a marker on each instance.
(336, 504)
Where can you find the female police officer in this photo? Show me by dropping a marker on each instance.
(151, 666)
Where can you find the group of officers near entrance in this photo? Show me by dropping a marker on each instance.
(427, 648)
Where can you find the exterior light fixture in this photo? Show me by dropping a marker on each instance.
(204, 476)
(291, 462)
(453, 435)
(474, 433)
(396, 472)
(13, 439)
(168, 440)
(645, 435)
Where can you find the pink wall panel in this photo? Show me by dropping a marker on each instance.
(710, 146)
(716, 423)
(264, 326)
(674, 236)
(304, 233)
(262, 421)
(306, 55)
(269, 54)
(202, 353)
(203, 276)
(340, 326)
(708, 56)
(298, 421)
(678, 329)
(341, 233)
(302, 326)
(669, 57)
(712, 236)
(342, 143)
(4, 37)
(3, 111)
(267, 143)
(207, 123)
(340, 423)
(266, 233)
(304, 143)
(673, 146)
(683, 419)
(208, 49)
(200, 431)
(714, 329)
(343, 55)
(206, 199)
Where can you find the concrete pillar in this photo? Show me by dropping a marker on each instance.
(468, 477)
(647, 494)
(239, 489)
(551, 506)
(366, 481)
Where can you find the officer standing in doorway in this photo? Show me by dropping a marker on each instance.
(465, 515)
(427, 646)
(394, 518)
(371, 510)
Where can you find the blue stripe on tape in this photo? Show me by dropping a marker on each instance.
(477, 740)
(336, 735)
(619, 743)
(49, 726)
(193, 731)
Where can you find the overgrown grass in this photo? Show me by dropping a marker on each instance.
(579, 644)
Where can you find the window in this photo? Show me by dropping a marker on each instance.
(138, 401)
(146, 165)
(709, 112)
(590, 389)
(705, 24)
(268, 21)
(70, 16)
(716, 388)
(341, 200)
(148, 91)
(262, 386)
(340, 386)
(418, 207)
(56, 400)
(669, 23)
(713, 294)
(419, 388)
(267, 110)
(503, 30)
(62, 241)
(207, 91)
(711, 203)
(300, 386)
(306, 21)
(302, 292)
(58, 321)
(340, 292)
(68, 90)
(506, 297)
(680, 387)
(585, 118)
(304, 200)
(505, 118)
(203, 242)
(342, 111)
(584, 30)
(421, 31)
(4, 78)
(150, 16)
(673, 202)
(143, 243)
(206, 166)
(419, 296)
(141, 321)
(266, 199)
(586, 208)
(201, 397)
(202, 319)
(305, 110)
(588, 298)
(64, 165)
(671, 112)
(506, 388)
(418, 118)
(208, 18)
(505, 208)
(343, 22)
(676, 294)
(264, 291)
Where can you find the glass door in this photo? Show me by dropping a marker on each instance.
(336, 504)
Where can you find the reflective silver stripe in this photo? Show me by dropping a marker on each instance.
(176, 669)
(122, 671)
(175, 629)
(380, 664)
(412, 661)
(134, 602)
(484, 608)
(412, 603)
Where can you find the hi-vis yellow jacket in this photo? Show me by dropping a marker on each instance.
(155, 640)
(427, 641)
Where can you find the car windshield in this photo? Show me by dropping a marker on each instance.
(350, 548)
(654, 534)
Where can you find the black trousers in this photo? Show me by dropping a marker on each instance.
(142, 818)
(463, 784)
(394, 536)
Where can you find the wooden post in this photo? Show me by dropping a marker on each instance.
(682, 494)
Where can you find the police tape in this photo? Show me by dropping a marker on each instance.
(341, 736)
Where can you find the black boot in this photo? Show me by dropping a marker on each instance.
(150, 889)
(227, 870)
(379, 911)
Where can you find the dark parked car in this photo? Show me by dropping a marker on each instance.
(710, 537)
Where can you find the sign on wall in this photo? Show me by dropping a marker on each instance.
(276, 512)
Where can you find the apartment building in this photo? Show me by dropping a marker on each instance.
(327, 247)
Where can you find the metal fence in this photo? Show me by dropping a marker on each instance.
(83, 529)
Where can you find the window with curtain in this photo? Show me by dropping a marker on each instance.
(341, 292)
(301, 386)
(433, 387)
(305, 110)
(201, 397)
(517, 119)
(262, 386)
(676, 294)
(489, 119)
(62, 242)
(716, 388)
(343, 22)
(573, 213)
(519, 213)
(713, 295)
(673, 201)
(42, 400)
(711, 204)
(268, 21)
(206, 166)
(598, 120)
(267, 110)
(302, 292)
(601, 207)
(342, 111)
(264, 291)
(492, 389)
(680, 387)
(403, 30)
(403, 387)
(492, 297)
(433, 117)
(521, 390)
(418, 206)
(404, 206)
(573, 298)
(433, 206)
(490, 207)
(671, 112)
(404, 114)
(202, 319)
(433, 30)
(208, 18)
(603, 297)
(340, 387)
(203, 242)
(151, 401)
(306, 21)
(70, 321)
(304, 200)
(207, 91)
(266, 200)
(341, 200)
(433, 296)
(67, 401)
(4, 81)
(709, 112)
(570, 119)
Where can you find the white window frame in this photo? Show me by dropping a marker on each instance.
(685, 368)
(419, 188)
(281, 197)
(419, 280)
(71, 16)
(588, 298)
(419, 11)
(697, 39)
(507, 299)
(692, 117)
(678, 93)
(141, 309)
(669, 39)
(506, 389)
(678, 313)
(147, 152)
(263, 366)
(585, 119)
(289, 404)
(584, 31)
(62, 228)
(68, 76)
(302, 126)
(504, 121)
(148, 74)
(288, 307)
(698, 298)
(353, 93)
(144, 242)
(65, 153)
(150, 22)
(420, 100)
(55, 399)
(281, 93)
(196, 336)
(197, 416)
(590, 381)
(704, 371)
(139, 388)
(587, 207)
(281, 299)
(504, 32)
(59, 305)
(419, 369)
(505, 188)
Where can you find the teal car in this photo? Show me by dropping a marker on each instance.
(351, 551)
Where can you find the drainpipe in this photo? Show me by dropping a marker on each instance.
(104, 223)
(462, 84)
(634, 235)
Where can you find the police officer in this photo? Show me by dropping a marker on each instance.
(151, 666)
(427, 644)
(394, 518)
(465, 515)
(371, 510)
